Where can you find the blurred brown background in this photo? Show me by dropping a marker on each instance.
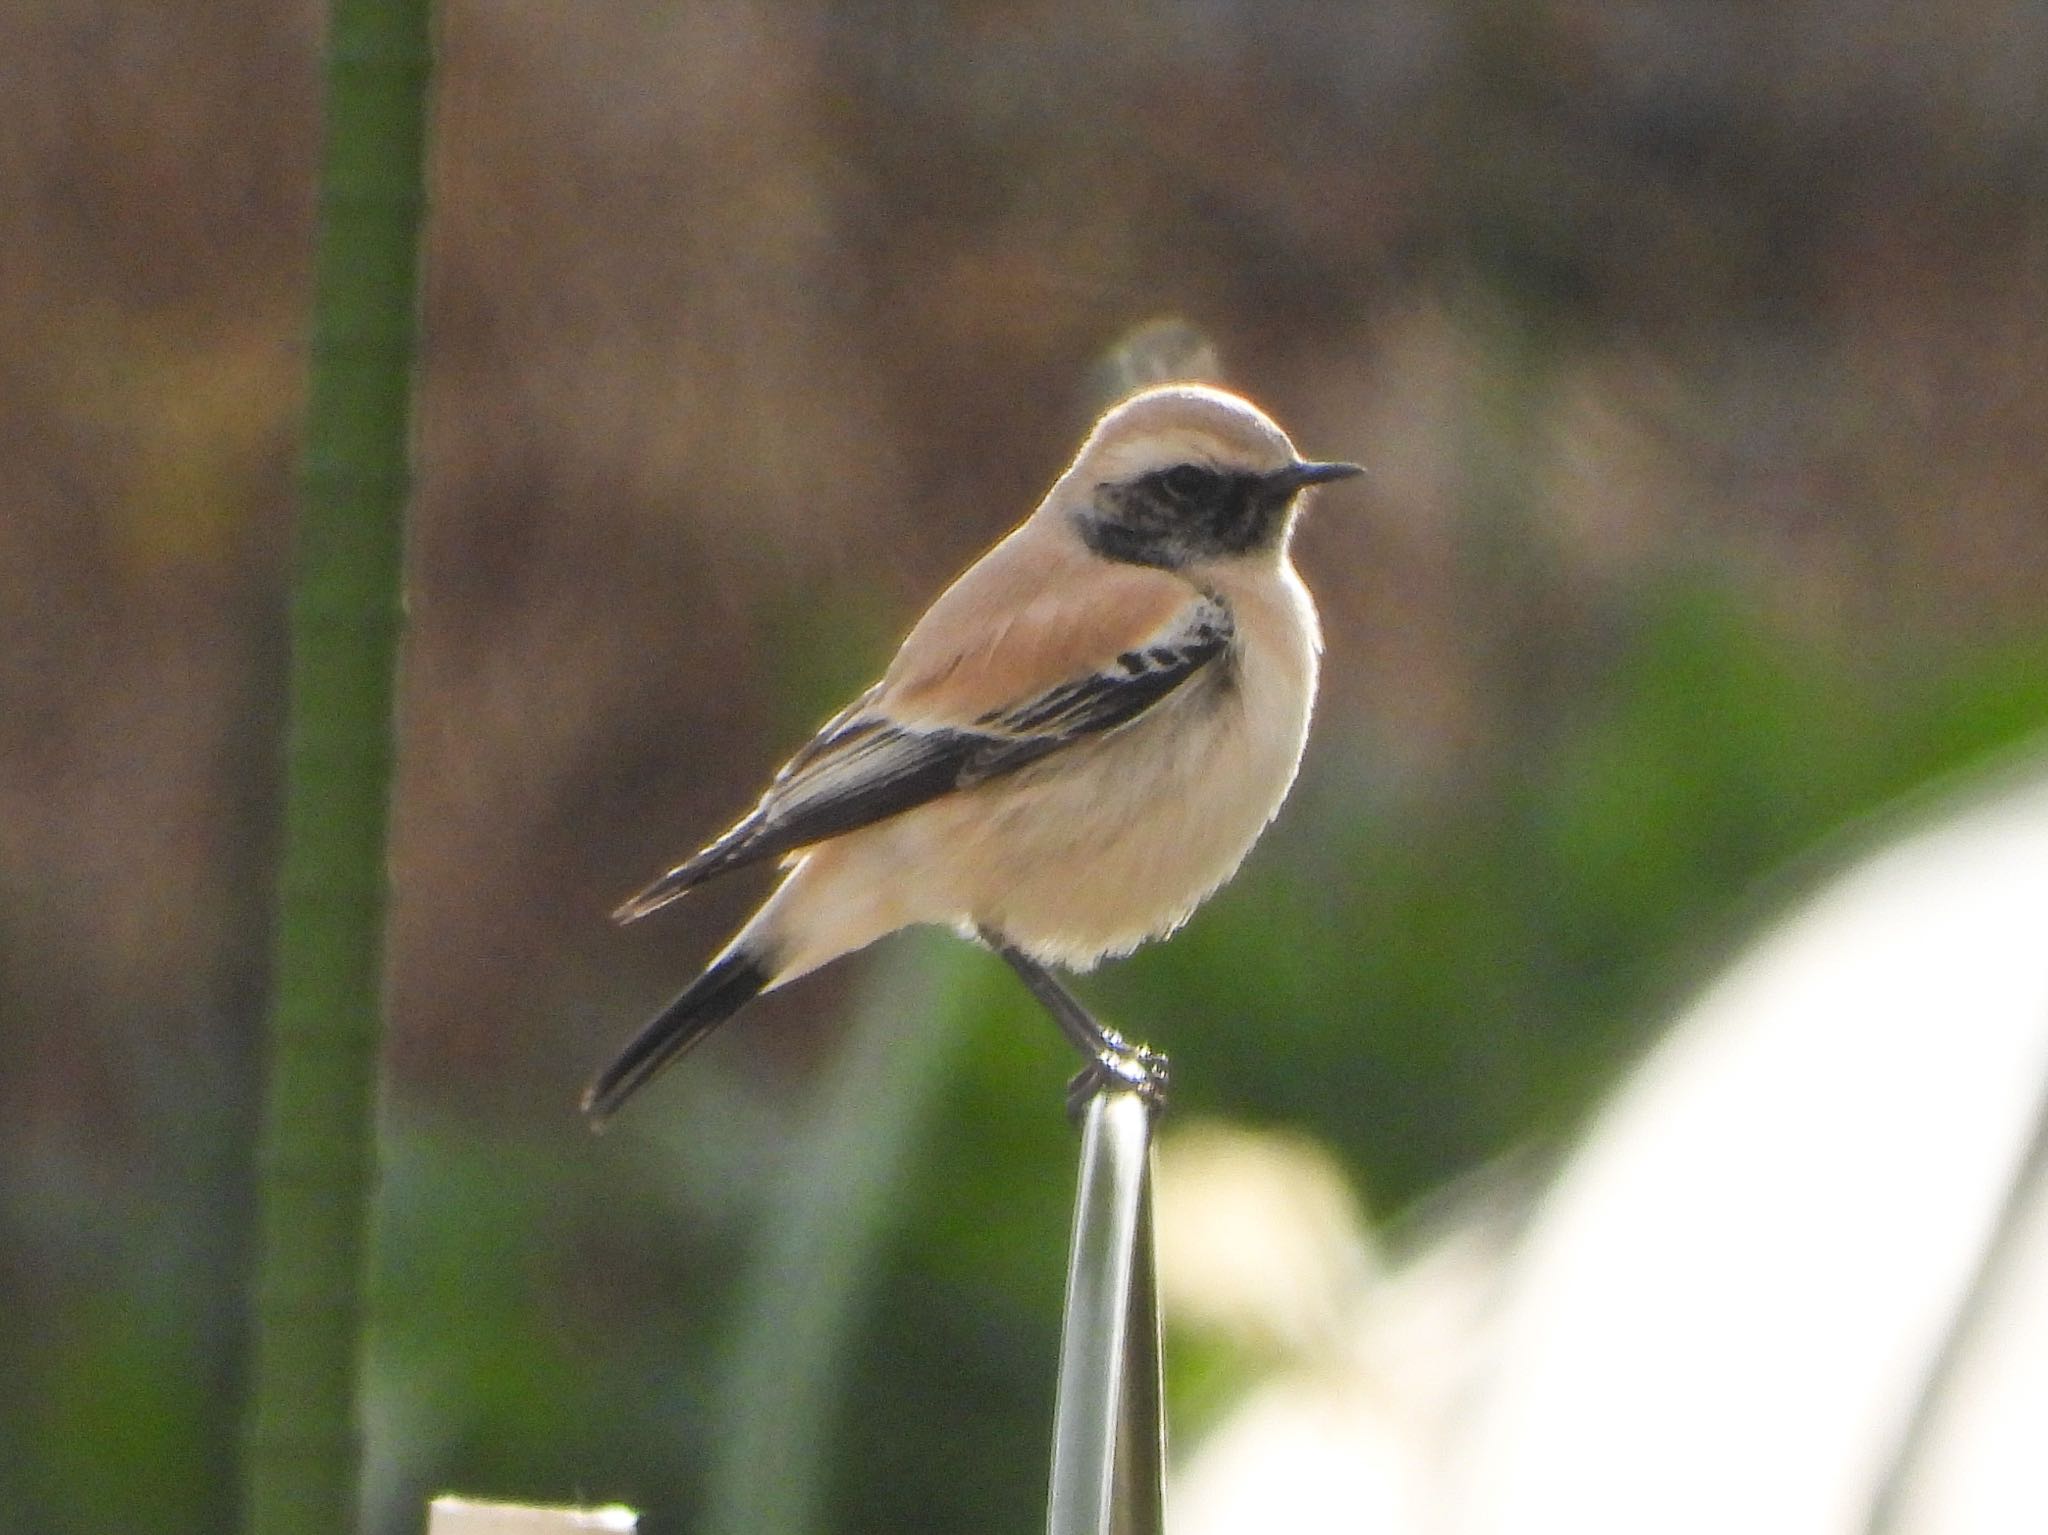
(1700, 355)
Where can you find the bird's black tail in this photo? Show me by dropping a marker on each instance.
(733, 981)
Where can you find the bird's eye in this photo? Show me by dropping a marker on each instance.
(1186, 482)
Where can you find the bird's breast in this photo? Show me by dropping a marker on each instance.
(1117, 840)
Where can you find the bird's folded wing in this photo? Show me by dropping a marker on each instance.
(870, 763)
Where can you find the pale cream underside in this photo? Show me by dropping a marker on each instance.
(1107, 843)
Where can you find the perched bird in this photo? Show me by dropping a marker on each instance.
(1075, 746)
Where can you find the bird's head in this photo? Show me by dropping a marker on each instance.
(1187, 474)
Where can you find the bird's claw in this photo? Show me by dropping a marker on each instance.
(1121, 1068)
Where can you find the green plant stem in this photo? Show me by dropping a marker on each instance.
(317, 1165)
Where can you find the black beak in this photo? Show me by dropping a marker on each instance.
(1287, 480)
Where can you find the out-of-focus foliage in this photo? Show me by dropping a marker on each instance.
(1697, 352)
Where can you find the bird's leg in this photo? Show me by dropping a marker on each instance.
(1113, 1061)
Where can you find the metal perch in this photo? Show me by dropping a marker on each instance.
(1109, 1438)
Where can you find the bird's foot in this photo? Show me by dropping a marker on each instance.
(1120, 1068)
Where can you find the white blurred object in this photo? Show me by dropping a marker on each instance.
(1259, 1236)
(1376, 1358)
(464, 1516)
(1727, 1309)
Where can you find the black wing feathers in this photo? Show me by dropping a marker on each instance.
(870, 770)
(864, 767)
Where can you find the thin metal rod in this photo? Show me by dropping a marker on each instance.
(1139, 1506)
(1108, 1452)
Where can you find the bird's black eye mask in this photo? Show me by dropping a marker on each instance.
(1174, 516)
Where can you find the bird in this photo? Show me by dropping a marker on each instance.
(1073, 748)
